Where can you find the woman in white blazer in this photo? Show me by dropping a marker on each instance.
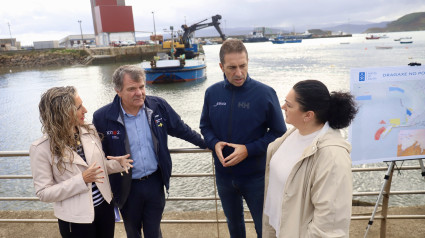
(308, 181)
(69, 167)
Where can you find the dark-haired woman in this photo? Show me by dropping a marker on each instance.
(69, 167)
(308, 190)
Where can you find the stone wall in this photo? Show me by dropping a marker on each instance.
(40, 58)
(130, 53)
(66, 57)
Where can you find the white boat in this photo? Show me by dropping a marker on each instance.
(403, 38)
(383, 47)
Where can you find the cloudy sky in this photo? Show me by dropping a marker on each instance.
(54, 19)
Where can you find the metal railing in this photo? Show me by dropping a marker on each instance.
(215, 197)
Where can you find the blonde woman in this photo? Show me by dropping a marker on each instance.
(308, 185)
(69, 167)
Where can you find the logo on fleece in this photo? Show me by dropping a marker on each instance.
(158, 121)
(114, 134)
(219, 104)
(244, 105)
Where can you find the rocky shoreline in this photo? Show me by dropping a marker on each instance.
(68, 57)
(42, 58)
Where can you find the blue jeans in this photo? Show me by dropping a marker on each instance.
(231, 191)
(144, 207)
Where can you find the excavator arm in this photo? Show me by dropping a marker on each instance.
(189, 30)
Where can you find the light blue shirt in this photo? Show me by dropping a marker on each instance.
(141, 145)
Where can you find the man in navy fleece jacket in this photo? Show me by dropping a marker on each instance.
(240, 117)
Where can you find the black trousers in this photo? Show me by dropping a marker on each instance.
(144, 207)
(103, 225)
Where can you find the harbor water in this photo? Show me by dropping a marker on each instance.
(279, 66)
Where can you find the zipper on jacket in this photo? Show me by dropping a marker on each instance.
(229, 127)
(70, 230)
(155, 141)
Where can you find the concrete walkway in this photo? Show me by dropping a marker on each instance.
(395, 228)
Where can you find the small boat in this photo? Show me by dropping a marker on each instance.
(372, 37)
(284, 41)
(383, 36)
(164, 70)
(406, 41)
(344, 43)
(403, 38)
(255, 37)
(383, 47)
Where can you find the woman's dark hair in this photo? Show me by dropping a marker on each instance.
(337, 108)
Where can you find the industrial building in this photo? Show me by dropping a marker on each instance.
(73, 41)
(50, 44)
(9, 44)
(112, 21)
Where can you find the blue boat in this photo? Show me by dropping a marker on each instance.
(296, 36)
(172, 71)
(284, 41)
(406, 41)
(255, 37)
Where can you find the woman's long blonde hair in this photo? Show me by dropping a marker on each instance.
(58, 117)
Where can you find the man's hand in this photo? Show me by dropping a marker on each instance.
(236, 157)
(219, 151)
(123, 160)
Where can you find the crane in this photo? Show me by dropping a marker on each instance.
(184, 46)
(188, 31)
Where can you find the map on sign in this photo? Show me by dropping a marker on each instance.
(390, 124)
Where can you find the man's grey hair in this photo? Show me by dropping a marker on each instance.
(136, 73)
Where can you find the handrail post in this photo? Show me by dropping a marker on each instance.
(215, 196)
(385, 202)
(421, 164)
(386, 177)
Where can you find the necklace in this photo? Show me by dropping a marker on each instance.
(77, 138)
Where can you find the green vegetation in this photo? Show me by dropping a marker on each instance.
(409, 22)
(74, 52)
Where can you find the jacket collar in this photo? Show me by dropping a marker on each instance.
(88, 146)
(83, 130)
(227, 84)
(331, 137)
(113, 113)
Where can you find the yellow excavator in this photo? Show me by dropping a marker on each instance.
(183, 44)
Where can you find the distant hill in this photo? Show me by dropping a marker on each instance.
(355, 28)
(409, 22)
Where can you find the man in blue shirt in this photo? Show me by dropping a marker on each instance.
(139, 125)
(240, 117)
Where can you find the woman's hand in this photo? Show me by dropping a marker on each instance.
(90, 175)
(123, 160)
